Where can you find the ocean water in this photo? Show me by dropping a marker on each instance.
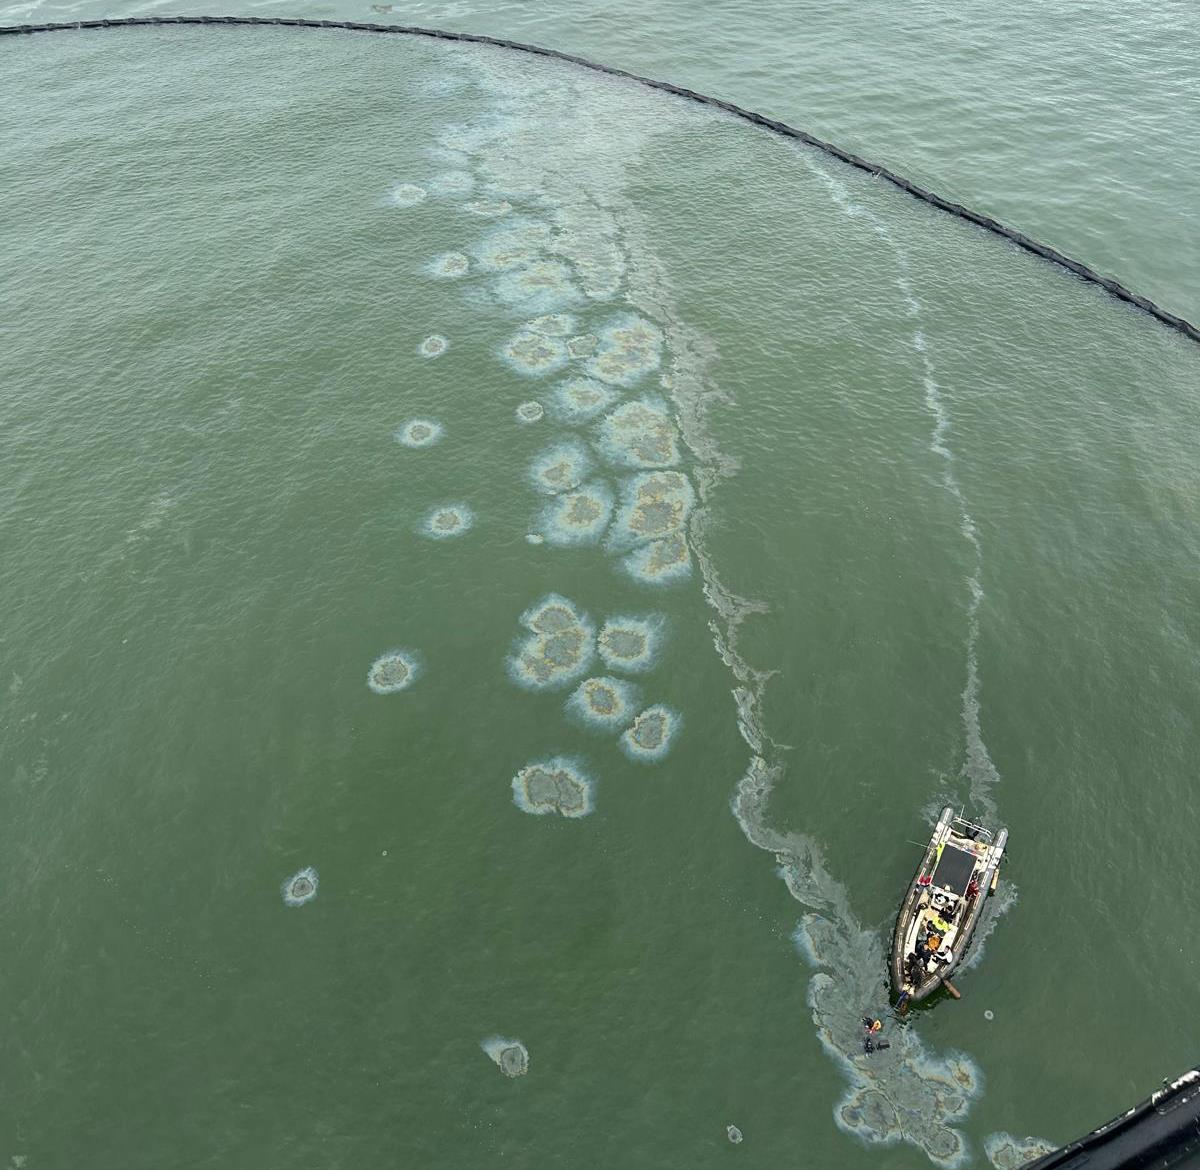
(393, 772)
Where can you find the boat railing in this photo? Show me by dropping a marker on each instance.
(977, 831)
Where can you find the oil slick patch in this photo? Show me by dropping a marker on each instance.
(555, 785)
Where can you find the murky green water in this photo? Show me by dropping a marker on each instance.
(940, 509)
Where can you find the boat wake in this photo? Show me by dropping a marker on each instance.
(978, 770)
(905, 1092)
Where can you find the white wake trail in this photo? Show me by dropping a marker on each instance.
(978, 769)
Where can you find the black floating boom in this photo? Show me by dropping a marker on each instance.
(1114, 287)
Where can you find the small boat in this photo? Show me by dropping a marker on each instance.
(959, 871)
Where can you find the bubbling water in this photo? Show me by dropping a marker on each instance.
(511, 1056)
(556, 785)
(577, 517)
(447, 520)
(603, 703)
(650, 736)
(419, 432)
(394, 671)
(300, 888)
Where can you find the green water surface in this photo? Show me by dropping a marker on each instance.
(209, 533)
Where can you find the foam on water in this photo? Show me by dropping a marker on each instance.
(649, 737)
(300, 888)
(447, 520)
(577, 517)
(604, 703)
(560, 468)
(419, 432)
(630, 643)
(556, 785)
(394, 671)
(510, 1056)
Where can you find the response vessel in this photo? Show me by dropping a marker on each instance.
(959, 871)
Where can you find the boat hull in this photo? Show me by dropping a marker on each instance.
(953, 863)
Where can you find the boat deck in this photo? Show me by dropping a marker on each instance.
(943, 904)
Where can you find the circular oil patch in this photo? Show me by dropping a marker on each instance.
(419, 432)
(510, 1056)
(651, 734)
(447, 520)
(556, 785)
(394, 671)
(300, 888)
(433, 346)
